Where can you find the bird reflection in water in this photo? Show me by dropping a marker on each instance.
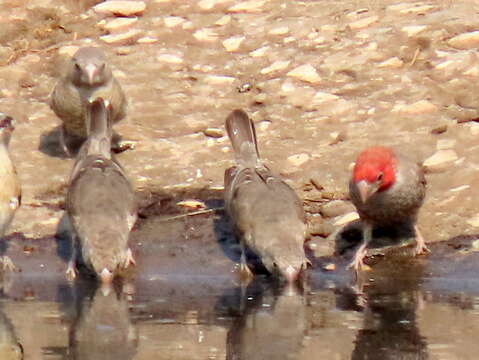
(102, 329)
(272, 324)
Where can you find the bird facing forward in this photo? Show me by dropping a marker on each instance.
(10, 194)
(100, 201)
(387, 188)
(267, 214)
(87, 77)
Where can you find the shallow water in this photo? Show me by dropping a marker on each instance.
(184, 301)
(212, 318)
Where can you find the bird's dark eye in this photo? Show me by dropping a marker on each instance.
(380, 177)
(77, 67)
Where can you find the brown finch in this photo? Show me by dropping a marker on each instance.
(100, 202)
(267, 214)
(88, 77)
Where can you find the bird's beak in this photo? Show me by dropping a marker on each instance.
(364, 189)
(91, 73)
(106, 276)
(291, 274)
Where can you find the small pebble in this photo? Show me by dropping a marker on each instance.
(465, 41)
(120, 7)
(443, 144)
(170, 58)
(119, 24)
(233, 43)
(213, 132)
(412, 30)
(219, 80)
(248, 6)
(347, 218)
(440, 160)
(208, 35)
(305, 73)
(126, 38)
(363, 23)
(298, 159)
(172, 21)
(419, 107)
(192, 204)
(276, 66)
(474, 221)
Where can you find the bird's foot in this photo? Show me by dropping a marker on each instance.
(123, 145)
(71, 272)
(358, 264)
(245, 272)
(63, 142)
(8, 264)
(129, 259)
(421, 247)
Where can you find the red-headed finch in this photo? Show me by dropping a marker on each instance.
(267, 214)
(100, 201)
(387, 188)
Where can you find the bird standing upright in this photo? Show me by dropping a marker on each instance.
(10, 194)
(268, 215)
(387, 188)
(88, 77)
(100, 201)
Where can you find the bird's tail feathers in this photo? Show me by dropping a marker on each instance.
(242, 135)
(98, 126)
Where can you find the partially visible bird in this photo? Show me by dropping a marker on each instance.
(100, 201)
(10, 193)
(268, 215)
(10, 347)
(387, 188)
(88, 77)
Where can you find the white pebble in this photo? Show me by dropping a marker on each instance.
(440, 160)
(363, 23)
(120, 7)
(346, 218)
(247, 6)
(233, 43)
(305, 73)
(298, 159)
(205, 34)
(172, 21)
(125, 38)
(465, 41)
(276, 66)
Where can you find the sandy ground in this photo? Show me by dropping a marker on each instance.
(321, 79)
(379, 73)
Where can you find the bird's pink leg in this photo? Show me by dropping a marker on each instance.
(129, 259)
(245, 271)
(63, 143)
(71, 272)
(357, 264)
(8, 264)
(421, 247)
